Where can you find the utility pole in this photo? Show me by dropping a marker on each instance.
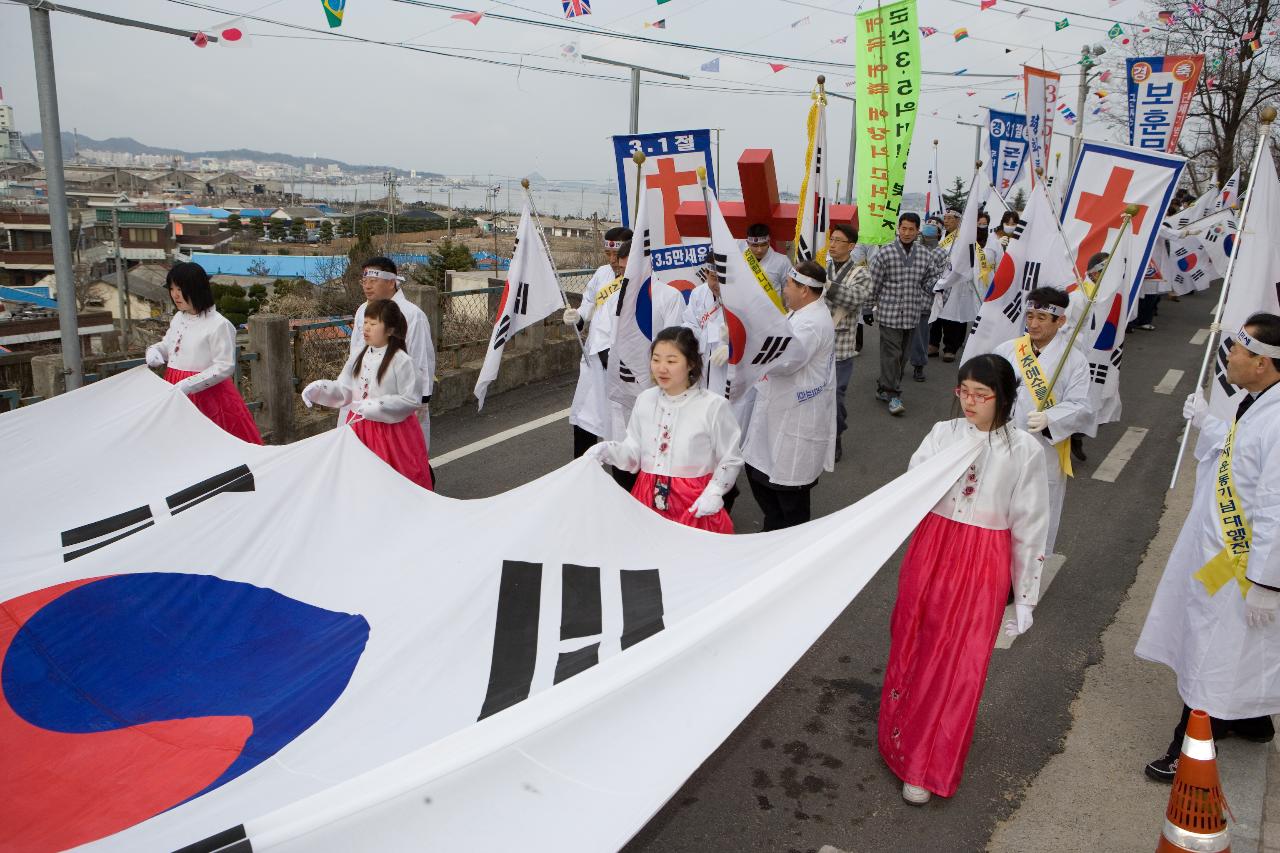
(853, 150)
(1087, 61)
(635, 84)
(60, 229)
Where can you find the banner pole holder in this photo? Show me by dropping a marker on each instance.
(546, 247)
(1267, 116)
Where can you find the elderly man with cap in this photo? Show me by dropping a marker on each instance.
(775, 265)
(590, 412)
(1212, 620)
(1051, 415)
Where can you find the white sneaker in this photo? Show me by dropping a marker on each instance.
(915, 795)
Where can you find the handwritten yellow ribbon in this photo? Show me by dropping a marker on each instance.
(1033, 377)
(1237, 536)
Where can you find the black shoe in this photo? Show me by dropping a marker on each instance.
(839, 449)
(1077, 447)
(1163, 769)
(918, 374)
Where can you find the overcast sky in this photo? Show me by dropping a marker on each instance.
(366, 103)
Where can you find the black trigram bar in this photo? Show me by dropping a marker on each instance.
(722, 265)
(772, 349)
(521, 304)
(234, 840)
(1117, 355)
(125, 524)
(504, 329)
(236, 480)
(579, 617)
(1220, 369)
(1030, 276)
(1098, 372)
(641, 605)
(1014, 309)
(515, 638)
(622, 297)
(624, 372)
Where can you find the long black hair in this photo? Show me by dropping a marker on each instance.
(684, 340)
(997, 374)
(193, 281)
(397, 329)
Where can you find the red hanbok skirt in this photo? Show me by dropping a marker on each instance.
(683, 492)
(221, 404)
(400, 445)
(952, 590)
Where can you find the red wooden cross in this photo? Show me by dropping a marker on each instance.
(1102, 213)
(759, 203)
(668, 182)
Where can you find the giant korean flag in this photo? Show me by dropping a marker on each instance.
(296, 649)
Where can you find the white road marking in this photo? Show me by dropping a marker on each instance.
(1170, 381)
(1200, 338)
(497, 438)
(1052, 565)
(1120, 455)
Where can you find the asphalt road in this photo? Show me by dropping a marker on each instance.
(803, 769)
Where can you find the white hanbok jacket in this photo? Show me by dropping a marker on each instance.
(421, 352)
(202, 343)
(1224, 666)
(1004, 489)
(689, 435)
(792, 434)
(390, 400)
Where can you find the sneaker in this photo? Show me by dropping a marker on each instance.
(948, 356)
(915, 795)
(1146, 327)
(1163, 769)
(882, 396)
(896, 407)
(917, 374)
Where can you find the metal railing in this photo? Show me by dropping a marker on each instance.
(111, 368)
(468, 315)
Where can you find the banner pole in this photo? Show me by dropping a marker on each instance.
(1267, 116)
(546, 247)
(638, 159)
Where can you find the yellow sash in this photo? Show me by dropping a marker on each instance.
(1038, 384)
(1233, 559)
(948, 239)
(763, 280)
(603, 294)
(984, 268)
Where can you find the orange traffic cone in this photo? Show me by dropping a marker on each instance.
(1194, 821)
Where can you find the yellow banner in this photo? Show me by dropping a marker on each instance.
(1034, 378)
(1233, 559)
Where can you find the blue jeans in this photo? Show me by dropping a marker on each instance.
(844, 372)
(920, 343)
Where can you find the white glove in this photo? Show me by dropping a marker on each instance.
(185, 386)
(1020, 622)
(1195, 408)
(600, 452)
(720, 356)
(1037, 421)
(155, 358)
(708, 503)
(311, 388)
(364, 407)
(572, 316)
(1260, 606)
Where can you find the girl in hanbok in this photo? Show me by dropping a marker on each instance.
(987, 532)
(682, 438)
(383, 390)
(200, 351)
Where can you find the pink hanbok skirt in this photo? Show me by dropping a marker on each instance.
(221, 404)
(681, 495)
(400, 445)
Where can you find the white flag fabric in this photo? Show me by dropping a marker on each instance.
(811, 213)
(1218, 233)
(1255, 281)
(1104, 334)
(535, 294)
(759, 334)
(1038, 257)
(1229, 193)
(206, 637)
(633, 329)
(1198, 209)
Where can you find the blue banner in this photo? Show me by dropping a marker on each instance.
(1007, 133)
(669, 170)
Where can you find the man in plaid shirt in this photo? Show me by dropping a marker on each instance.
(848, 286)
(902, 274)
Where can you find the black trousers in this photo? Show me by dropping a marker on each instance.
(947, 334)
(783, 506)
(1253, 728)
(582, 441)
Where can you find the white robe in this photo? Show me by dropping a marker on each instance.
(1224, 667)
(792, 434)
(1006, 490)
(590, 409)
(776, 268)
(204, 344)
(421, 351)
(1071, 414)
(396, 396)
(962, 301)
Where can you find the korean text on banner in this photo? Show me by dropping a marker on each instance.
(1160, 91)
(1007, 133)
(1042, 102)
(888, 87)
(670, 175)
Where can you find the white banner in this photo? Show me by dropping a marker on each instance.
(1041, 90)
(297, 646)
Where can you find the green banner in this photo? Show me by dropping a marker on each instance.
(888, 91)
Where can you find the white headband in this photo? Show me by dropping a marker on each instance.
(1256, 346)
(382, 274)
(758, 241)
(1048, 309)
(613, 244)
(806, 280)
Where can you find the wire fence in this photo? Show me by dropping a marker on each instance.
(468, 315)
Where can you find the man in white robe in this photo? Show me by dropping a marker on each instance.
(590, 413)
(380, 280)
(775, 265)
(791, 439)
(1071, 412)
(961, 297)
(1212, 620)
